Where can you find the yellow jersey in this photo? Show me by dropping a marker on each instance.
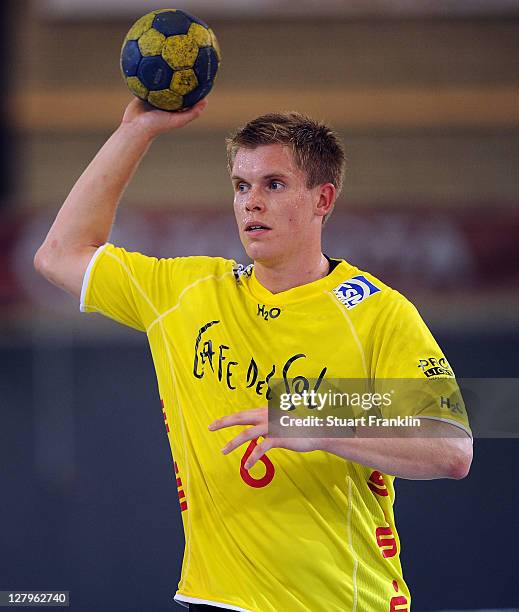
(298, 532)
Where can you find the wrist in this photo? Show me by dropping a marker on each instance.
(136, 132)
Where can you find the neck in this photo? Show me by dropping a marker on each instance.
(286, 275)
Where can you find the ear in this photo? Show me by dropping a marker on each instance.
(326, 194)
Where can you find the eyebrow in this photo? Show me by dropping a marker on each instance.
(272, 175)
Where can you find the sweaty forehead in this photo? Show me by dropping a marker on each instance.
(264, 160)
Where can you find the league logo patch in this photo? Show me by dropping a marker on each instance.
(354, 291)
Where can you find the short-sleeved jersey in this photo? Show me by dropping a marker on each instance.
(299, 532)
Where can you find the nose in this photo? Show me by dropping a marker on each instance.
(254, 202)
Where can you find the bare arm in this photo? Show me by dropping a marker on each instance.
(441, 451)
(87, 215)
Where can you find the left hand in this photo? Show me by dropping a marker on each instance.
(258, 418)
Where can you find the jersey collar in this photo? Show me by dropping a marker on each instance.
(302, 292)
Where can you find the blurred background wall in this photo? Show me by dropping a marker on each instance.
(426, 98)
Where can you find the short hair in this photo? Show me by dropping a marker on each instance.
(317, 149)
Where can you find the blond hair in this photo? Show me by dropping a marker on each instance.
(317, 149)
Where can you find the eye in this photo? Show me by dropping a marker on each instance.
(241, 187)
(276, 185)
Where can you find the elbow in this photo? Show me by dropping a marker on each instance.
(460, 459)
(45, 263)
(41, 262)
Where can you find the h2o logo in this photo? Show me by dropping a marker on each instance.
(266, 313)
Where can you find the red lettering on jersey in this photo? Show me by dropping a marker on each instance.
(396, 603)
(165, 417)
(386, 541)
(269, 469)
(377, 485)
(182, 500)
(180, 490)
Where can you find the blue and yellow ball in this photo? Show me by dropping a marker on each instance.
(170, 59)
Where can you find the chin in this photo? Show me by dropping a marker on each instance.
(259, 252)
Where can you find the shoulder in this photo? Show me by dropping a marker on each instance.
(373, 306)
(193, 265)
(359, 287)
(203, 265)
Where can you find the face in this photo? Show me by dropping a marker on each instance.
(278, 216)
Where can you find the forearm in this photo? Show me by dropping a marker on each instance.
(88, 213)
(416, 458)
(439, 450)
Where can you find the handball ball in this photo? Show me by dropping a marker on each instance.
(170, 59)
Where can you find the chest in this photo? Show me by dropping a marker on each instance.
(230, 340)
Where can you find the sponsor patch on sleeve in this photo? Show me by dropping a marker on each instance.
(355, 290)
(240, 270)
(435, 366)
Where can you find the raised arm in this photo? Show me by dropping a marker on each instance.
(87, 215)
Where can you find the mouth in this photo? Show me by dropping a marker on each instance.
(254, 228)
